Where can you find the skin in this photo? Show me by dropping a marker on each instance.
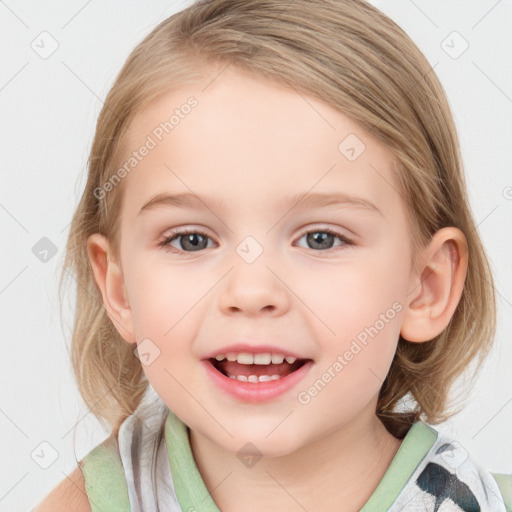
(251, 144)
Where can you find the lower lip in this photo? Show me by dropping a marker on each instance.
(256, 392)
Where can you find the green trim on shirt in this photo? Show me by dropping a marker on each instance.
(189, 486)
(106, 486)
(105, 482)
(416, 444)
(193, 495)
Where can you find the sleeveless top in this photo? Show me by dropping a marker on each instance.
(151, 468)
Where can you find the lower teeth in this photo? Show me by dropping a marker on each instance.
(254, 378)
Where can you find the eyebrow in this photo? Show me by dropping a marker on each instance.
(300, 201)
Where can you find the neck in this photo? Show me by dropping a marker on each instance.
(343, 467)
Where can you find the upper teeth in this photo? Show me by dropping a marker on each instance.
(247, 358)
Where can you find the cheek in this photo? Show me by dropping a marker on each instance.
(345, 298)
(353, 367)
(165, 310)
(162, 295)
(361, 307)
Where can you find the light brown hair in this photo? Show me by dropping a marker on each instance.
(353, 57)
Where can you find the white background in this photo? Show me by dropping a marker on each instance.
(49, 110)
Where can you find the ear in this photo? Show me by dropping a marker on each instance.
(110, 281)
(436, 291)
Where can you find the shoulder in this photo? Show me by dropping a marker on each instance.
(467, 476)
(446, 470)
(69, 494)
(99, 479)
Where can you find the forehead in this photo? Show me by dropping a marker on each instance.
(250, 141)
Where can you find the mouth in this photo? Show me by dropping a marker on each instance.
(254, 368)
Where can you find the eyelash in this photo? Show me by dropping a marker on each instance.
(165, 244)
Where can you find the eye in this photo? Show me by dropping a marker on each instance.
(188, 240)
(191, 240)
(323, 239)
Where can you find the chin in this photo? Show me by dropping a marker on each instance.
(258, 440)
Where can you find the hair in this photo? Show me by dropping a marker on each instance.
(357, 60)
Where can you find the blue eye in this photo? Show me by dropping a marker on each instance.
(323, 239)
(192, 240)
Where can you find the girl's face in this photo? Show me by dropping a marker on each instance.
(296, 244)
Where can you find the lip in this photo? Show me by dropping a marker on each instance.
(253, 349)
(256, 392)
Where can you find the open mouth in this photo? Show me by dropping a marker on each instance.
(263, 368)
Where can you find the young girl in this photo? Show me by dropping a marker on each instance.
(279, 274)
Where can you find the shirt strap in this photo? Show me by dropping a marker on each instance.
(189, 486)
(105, 482)
(419, 440)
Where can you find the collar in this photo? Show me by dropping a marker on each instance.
(192, 493)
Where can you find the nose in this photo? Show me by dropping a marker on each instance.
(254, 289)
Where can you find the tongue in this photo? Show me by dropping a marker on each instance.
(234, 368)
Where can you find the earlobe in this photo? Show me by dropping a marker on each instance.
(436, 291)
(110, 281)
